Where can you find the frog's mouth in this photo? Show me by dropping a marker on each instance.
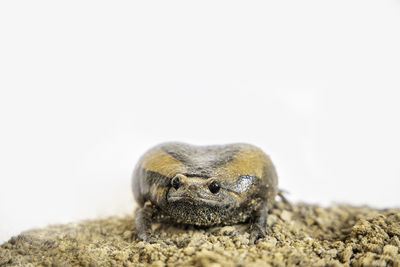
(191, 200)
(202, 211)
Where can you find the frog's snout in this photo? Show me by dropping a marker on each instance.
(181, 182)
(190, 187)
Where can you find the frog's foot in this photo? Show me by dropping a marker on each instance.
(147, 237)
(256, 232)
(143, 223)
(225, 231)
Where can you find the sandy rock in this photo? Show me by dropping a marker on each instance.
(298, 234)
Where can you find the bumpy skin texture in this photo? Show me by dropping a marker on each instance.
(204, 185)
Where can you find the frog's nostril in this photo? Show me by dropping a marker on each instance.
(176, 182)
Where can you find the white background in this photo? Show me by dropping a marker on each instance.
(87, 87)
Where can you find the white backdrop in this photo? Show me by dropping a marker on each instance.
(87, 87)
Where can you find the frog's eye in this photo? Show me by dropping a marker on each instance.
(214, 187)
(176, 182)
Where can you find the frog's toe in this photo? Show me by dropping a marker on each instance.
(256, 232)
(149, 238)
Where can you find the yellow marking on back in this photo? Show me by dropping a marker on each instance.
(246, 161)
(161, 162)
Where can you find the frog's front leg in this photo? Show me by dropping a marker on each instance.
(257, 228)
(143, 220)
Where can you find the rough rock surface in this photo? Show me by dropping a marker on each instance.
(300, 234)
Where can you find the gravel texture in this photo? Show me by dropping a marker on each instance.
(300, 234)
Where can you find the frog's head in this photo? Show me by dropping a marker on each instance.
(209, 200)
(211, 191)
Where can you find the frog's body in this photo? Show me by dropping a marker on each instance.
(204, 185)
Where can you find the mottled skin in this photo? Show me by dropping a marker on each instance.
(204, 185)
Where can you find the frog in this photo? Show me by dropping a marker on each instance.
(205, 186)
